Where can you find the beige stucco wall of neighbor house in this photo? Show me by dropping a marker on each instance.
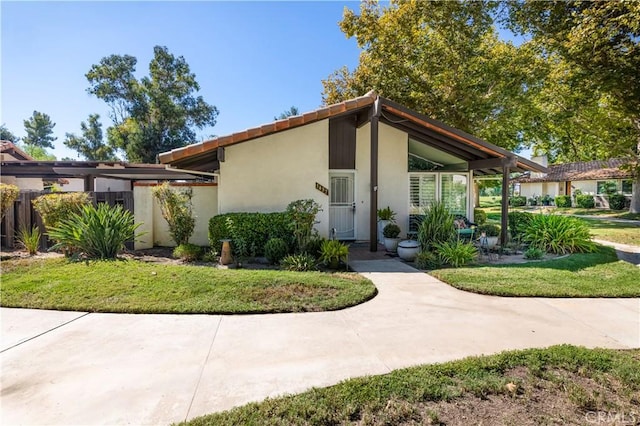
(589, 187)
(112, 185)
(531, 189)
(24, 184)
(268, 173)
(147, 211)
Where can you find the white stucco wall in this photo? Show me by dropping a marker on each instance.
(586, 186)
(24, 184)
(531, 189)
(147, 211)
(363, 180)
(112, 185)
(268, 173)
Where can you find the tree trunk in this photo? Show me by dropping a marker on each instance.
(635, 191)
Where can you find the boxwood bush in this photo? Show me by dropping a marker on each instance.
(53, 208)
(518, 222)
(275, 250)
(479, 216)
(518, 201)
(563, 201)
(585, 201)
(617, 202)
(250, 231)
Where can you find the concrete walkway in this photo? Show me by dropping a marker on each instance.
(72, 368)
(625, 252)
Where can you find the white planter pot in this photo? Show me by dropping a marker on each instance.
(408, 250)
(391, 244)
(492, 242)
(381, 225)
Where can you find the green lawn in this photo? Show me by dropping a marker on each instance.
(616, 232)
(599, 212)
(598, 274)
(138, 287)
(534, 386)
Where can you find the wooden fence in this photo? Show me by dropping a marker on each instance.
(24, 215)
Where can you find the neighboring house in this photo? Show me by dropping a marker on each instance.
(352, 158)
(10, 152)
(596, 178)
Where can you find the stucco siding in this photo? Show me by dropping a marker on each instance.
(266, 174)
(363, 181)
(393, 174)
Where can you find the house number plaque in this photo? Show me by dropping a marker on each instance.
(322, 189)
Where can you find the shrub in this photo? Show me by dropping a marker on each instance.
(29, 239)
(53, 208)
(8, 195)
(298, 262)
(436, 227)
(210, 256)
(517, 201)
(314, 246)
(333, 252)
(188, 252)
(534, 253)
(177, 210)
(489, 229)
(249, 231)
(303, 216)
(386, 214)
(275, 250)
(585, 201)
(96, 232)
(518, 222)
(563, 201)
(391, 231)
(617, 202)
(559, 234)
(428, 260)
(456, 253)
(479, 216)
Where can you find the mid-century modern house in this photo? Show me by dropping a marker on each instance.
(352, 158)
(597, 178)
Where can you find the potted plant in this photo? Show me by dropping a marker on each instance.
(385, 217)
(391, 240)
(408, 250)
(489, 234)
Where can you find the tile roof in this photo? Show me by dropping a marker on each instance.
(590, 170)
(11, 149)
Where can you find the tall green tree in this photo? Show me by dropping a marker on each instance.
(601, 41)
(91, 144)
(38, 153)
(444, 59)
(288, 113)
(153, 114)
(39, 128)
(7, 135)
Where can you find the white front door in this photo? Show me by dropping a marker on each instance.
(342, 206)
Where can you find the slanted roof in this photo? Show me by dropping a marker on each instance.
(8, 147)
(589, 170)
(481, 156)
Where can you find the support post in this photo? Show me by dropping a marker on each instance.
(89, 181)
(373, 204)
(505, 206)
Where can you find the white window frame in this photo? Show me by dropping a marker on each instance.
(438, 176)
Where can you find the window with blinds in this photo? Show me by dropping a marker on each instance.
(426, 188)
(422, 191)
(453, 193)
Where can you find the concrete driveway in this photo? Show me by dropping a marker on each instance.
(77, 368)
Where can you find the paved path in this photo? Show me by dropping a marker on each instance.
(624, 252)
(75, 368)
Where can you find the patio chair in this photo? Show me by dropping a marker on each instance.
(464, 227)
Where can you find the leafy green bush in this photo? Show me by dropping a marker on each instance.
(188, 252)
(428, 260)
(534, 253)
(249, 231)
(386, 214)
(275, 250)
(29, 239)
(210, 256)
(177, 210)
(391, 231)
(563, 201)
(8, 195)
(559, 234)
(96, 232)
(302, 214)
(489, 229)
(333, 252)
(617, 202)
(456, 253)
(314, 246)
(53, 208)
(518, 222)
(585, 201)
(298, 262)
(436, 227)
(479, 216)
(518, 201)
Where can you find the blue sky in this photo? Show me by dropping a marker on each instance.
(253, 60)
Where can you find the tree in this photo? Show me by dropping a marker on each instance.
(289, 113)
(154, 114)
(443, 59)
(38, 153)
(91, 144)
(39, 130)
(601, 41)
(7, 135)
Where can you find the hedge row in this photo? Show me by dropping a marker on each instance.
(249, 232)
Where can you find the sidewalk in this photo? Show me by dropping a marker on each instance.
(72, 368)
